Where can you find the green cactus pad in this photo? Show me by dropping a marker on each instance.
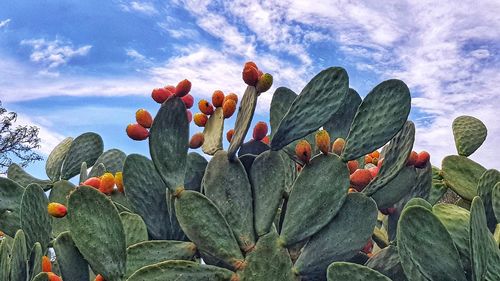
(181, 271)
(495, 201)
(19, 258)
(324, 95)
(469, 133)
(341, 238)
(484, 189)
(17, 174)
(35, 260)
(421, 237)
(134, 227)
(152, 252)
(85, 148)
(119, 197)
(396, 155)
(56, 158)
(322, 182)
(146, 192)
(253, 147)
(5, 248)
(339, 124)
(168, 142)
(243, 120)
(268, 261)
(387, 262)
(396, 189)
(380, 116)
(99, 169)
(280, 103)
(462, 175)
(205, 225)
(10, 195)
(35, 220)
(59, 194)
(112, 160)
(247, 161)
(226, 184)
(213, 132)
(353, 272)
(100, 239)
(268, 180)
(438, 189)
(83, 173)
(195, 169)
(71, 263)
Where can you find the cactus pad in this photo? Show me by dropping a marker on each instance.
(195, 169)
(17, 174)
(243, 120)
(59, 194)
(395, 189)
(71, 263)
(181, 271)
(56, 158)
(112, 160)
(339, 124)
(280, 103)
(213, 132)
(85, 148)
(495, 201)
(469, 134)
(353, 272)
(386, 261)
(35, 220)
(19, 257)
(134, 227)
(484, 189)
(462, 175)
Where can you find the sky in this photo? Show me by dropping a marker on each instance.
(70, 67)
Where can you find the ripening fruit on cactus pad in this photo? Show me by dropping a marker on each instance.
(119, 181)
(422, 159)
(143, 118)
(260, 131)
(323, 141)
(228, 108)
(183, 88)
(160, 95)
(200, 119)
(57, 210)
(231, 96)
(360, 178)
(265, 82)
(188, 101)
(338, 146)
(206, 107)
(137, 132)
(303, 151)
(218, 98)
(53, 277)
(95, 182)
(107, 183)
(229, 135)
(196, 140)
(46, 264)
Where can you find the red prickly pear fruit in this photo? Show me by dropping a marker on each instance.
(373, 171)
(95, 182)
(259, 131)
(99, 278)
(188, 101)
(143, 118)
(422, 159)
(206, 107)
(53, 277)
(200, 119)
(196, 140)
(360, 179)
(323, 141)
(368, 247)
(266, 140)
(228, 108)
(229, 135)
(250, 63)
(183, 88)
(119, 181)
(250, 75)
(107, 183)
(189, 115)
(46, 264)
(303, 151)
(265, 82)
(231, 96)
(218, 98)
(137, 132)
(412, 159)
(338, 146)
(374, 161)
(160, 95)
(57, 210)
(368, 159)
(352, 166)
(375, 154)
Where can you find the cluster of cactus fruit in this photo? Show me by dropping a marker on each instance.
(363, 207)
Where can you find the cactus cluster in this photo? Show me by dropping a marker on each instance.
(333, 192)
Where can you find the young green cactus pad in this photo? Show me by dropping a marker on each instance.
(19, 256)
(181, 271)
(484, 190)
(85, 148)
(353, 272)
(469, 133)
(387, 262)
(112, 160)
(5, 248)
(243, 120)
(339, 124)
(71, 263)
(56, 158)
(35, 220)
(462, 175)
(213, 132)
(134, 227)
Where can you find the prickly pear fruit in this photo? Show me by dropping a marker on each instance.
(218, 98)
(189, 115)
(298, 167)
(188, 101)
(379, 164)
(231, 96)
(422, 159)
(46, 264)
(412, 159)
(99, 278)
(95, 182)
(352, 166)
(200, 119)
(57, 210)
(360, 178)
(183, 88)
(303, 151)
(53, 277)
(368, 159)
(373, 171)
(323, 141)
(107, 183)
(259, 131)
(119, 181)
(137, 132)
(143, 117)
(265, 82)
(196, 140)
(229, 135)
(266, 140)
(228, 108)
(250, 63)
(338, 146)
(374, 161)
(160, 95)
(250, 75)
(206, 107)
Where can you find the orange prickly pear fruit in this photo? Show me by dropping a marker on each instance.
(323, 141)
(143, 118)
(303, 151)
(374, 161)
(188, 101)
(375, 154)
(231, 96)
(53, 277)
(95, 182)
(422, 159)
(352, 166)
(46, 265)
(107, 183)
(189, 115)
(99, 278)
(265, 82)
(218, 98)
(228, 108)
(259, 131)
(368, 159)
(57, 210)
(229, 135)
(338, 146)
(183, 88)
(160, 95)
(196, 140)
(412, 159)
(119, 181)
(250, 75)
(200, 119)
(206, 107)
(266, 140)
(137, 132)
(360, 179)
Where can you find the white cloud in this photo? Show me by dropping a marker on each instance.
(134, 54)
(147, 8)
(4, 23)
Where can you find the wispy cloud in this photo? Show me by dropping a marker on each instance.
(4, 23)
(147, 8)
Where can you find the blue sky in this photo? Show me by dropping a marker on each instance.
(76, 66)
